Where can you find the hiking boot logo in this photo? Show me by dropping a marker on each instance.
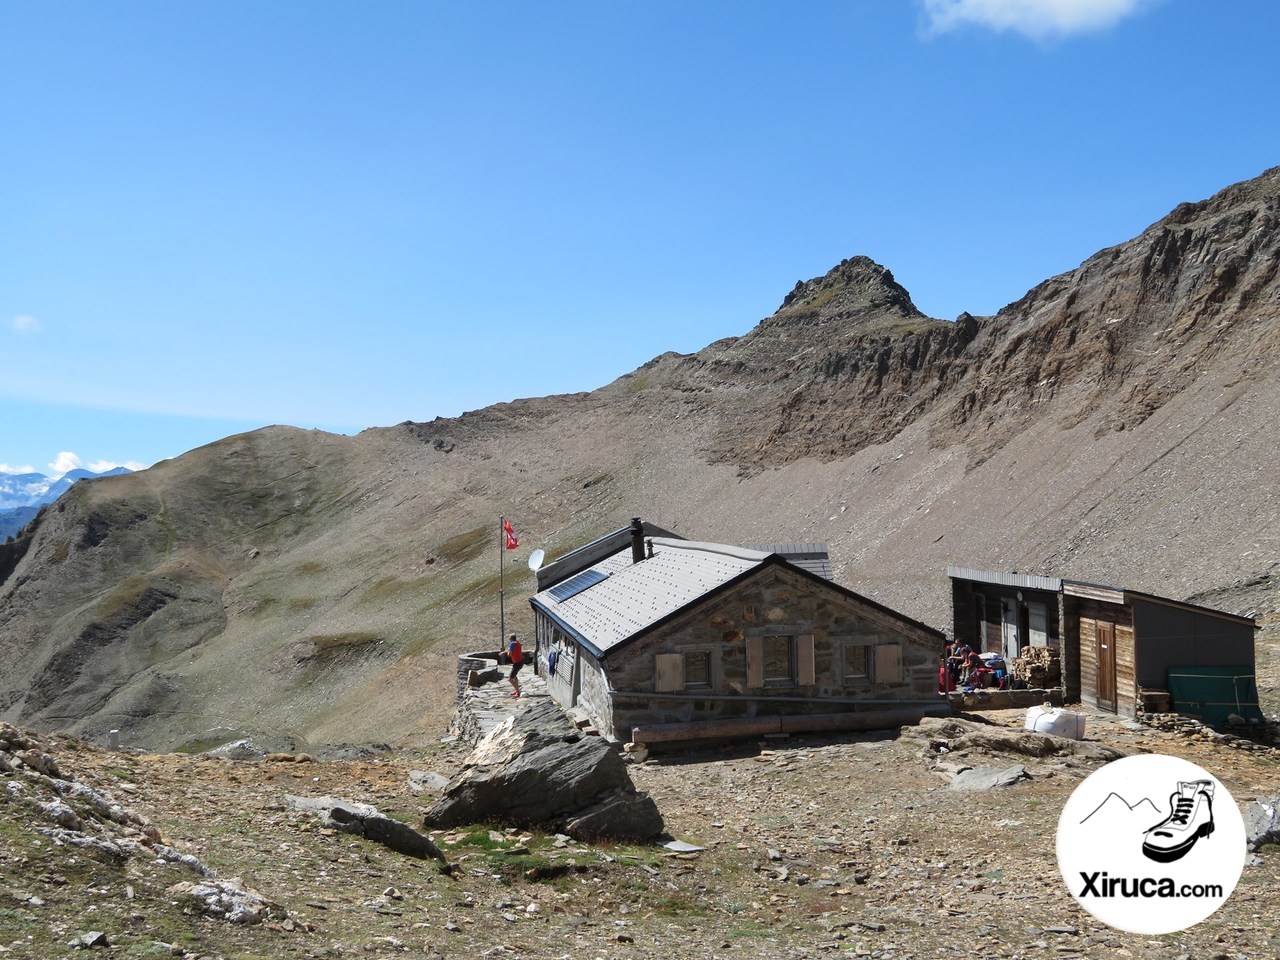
(1140, 864)
(1190, 818)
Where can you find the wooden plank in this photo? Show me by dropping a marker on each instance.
(888, 663)
(1088, 660)
(668, 670)
(1093, 591)
(805, 675)
(755, 662)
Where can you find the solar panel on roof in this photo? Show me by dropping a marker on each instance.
(576, 584)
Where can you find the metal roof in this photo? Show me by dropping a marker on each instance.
(1023, 580)
(637, 595)
(813, 557)
(580, 558)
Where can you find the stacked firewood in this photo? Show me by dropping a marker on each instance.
(1038, 667)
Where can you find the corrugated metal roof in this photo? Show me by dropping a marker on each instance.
(1024, 580)
(637, 595)
(813, 557)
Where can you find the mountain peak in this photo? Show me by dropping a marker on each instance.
(853, 288)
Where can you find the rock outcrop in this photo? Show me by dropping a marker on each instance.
(1262, 822)
(364, 820)
(77, 816)
(537, 770)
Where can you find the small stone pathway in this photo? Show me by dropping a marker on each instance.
(482, 708)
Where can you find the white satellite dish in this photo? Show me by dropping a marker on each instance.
(536, 558)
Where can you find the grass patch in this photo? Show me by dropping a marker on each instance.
(483, 838)
(420, 644)
(19, 923)
(751, 929)
(682, 906)
(388, 588)
(513, 580)
(511, 861)
(126, 596)
(334, 642)
(467, 546)
(311, 568)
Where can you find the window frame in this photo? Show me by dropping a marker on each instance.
(789, 680)
(864, 652)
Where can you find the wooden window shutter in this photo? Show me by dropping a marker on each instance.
(668, 672)
(755, 662)
(888, 663)
(805, 676)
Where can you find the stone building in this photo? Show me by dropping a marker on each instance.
(668, 639)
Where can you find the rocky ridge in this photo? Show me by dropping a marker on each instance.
(1116, 424)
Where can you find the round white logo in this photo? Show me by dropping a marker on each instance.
(1151, 844)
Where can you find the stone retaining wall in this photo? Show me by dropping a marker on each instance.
(1004, 699)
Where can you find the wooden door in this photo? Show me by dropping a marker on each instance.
(1009, 645)
(1106, 640)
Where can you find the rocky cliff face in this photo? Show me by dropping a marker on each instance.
(1136, 324)
(1115, 424)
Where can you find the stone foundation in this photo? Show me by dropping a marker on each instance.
(1004, 699)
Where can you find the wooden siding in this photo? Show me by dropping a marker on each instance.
(1086, 614)
(1093, 591)
(971, 600)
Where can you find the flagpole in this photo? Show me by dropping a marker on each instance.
(502, 610)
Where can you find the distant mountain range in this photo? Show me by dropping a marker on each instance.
(23, 494)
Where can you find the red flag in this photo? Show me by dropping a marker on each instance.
(512, 542)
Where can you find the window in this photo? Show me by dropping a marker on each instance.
(780, 661)
(776, 654)
(688, 670)
(697, 669)
(857, 663)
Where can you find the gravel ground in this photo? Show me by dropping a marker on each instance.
(811, 846)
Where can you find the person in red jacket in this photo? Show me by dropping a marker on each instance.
(516, 653)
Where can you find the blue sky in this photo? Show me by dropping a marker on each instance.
(220, 215)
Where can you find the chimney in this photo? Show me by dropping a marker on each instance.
(637, 540)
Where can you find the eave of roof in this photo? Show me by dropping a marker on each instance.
(1025, 581)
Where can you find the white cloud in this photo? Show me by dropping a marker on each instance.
(26, 324)
(65, 462)
(9, 468)
(102, 466)
(1038, 19)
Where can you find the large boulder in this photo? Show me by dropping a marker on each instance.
(1262, 822)
(537, 770)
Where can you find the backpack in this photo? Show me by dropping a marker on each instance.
(517, 655)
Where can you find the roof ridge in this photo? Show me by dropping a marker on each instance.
(726, 549)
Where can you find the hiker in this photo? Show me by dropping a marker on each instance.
(516, 654)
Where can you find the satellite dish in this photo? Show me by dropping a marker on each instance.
(536, 558)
